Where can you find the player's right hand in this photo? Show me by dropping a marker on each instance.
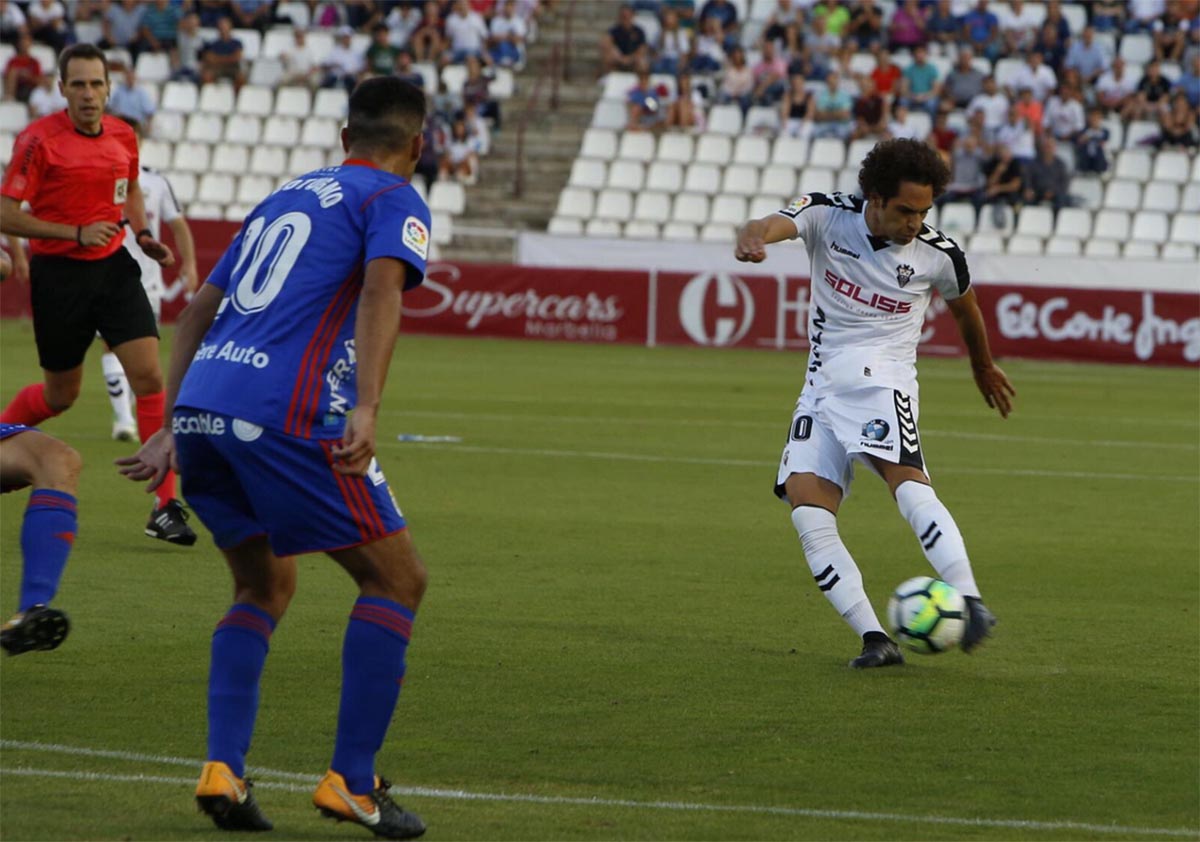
(98, 233)
(750, 246)
(152, 461)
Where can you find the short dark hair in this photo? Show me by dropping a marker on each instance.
(901, 159)
(80, 50)
(385, 112)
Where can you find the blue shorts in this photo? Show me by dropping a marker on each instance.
(243, 480)
(8, 430)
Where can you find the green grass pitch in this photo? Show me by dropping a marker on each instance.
(621, 639)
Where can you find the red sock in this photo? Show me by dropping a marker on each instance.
(150, 421)
(28, 407)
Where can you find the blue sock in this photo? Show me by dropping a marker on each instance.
(372, 671)
(239, 650)
(46, 538)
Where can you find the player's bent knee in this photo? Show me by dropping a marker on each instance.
(64, 465)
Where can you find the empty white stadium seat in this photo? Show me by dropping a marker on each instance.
(565, 226)
(281, 131)
(1161, 196)
(765, 205)
(751, 149)
(447, 196)
(610, 114)
(1063, 247)
(1185, 228)
(778, 179)
(725, 119)
(1191, 197)
(204, 128)
(862, 63)
(714, 149)
(1073, 223)
(1101, 248)
(729, 210)
(429, 74)
(1140, 132)
(996, 219)
(599, 143)
(240, 128)
(575, 203)
(255, 100)
(503, 85)
(636, 146)
(640, 229)
(847, 181)
(763, 119)
(588, 172)
(957, 218)
(153, 67)
(152, 153)
(987, 243)
(293, 101)
(857, 152)
(1022, 244)
(304, 159)
(205, 210)
(237, 212)
(216, 187)
(321, 132)
(792, 151)
(217, 99)
(266, 72)
(603, 228)
(718, 232)
(1088, 191)
(1123, 195)
(1006, 70)
(332, 103)
(613, 204)
(703, 178)
(652, 206)
(191, 157)
(1137, 48)
(740, 180)
(680, 232)
(228, 158)
(665, 175)
(1178, 251)
(1140, 250)
(1111, 225)
(253, 188)
(14, 117)
(441, 228)
(676, 147)
(626, 175)
(816, 180)
(1133, 164)
(1171, 166)
(690, 207)
(183, 184)
(1035, 221)
(827, 152)
(616, 85)
(1149, 227)
(269, 160)
(179, 96)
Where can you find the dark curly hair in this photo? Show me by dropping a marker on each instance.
(902, 159)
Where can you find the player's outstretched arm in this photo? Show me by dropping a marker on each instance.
(377, 324)
(187, 252)
(135, 210)
(20, 223)
(993, 383)
(754, 237)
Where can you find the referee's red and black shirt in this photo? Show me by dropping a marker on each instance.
(73, 178)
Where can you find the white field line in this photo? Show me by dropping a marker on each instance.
(759, 463)
(556, 800)
(762, 425)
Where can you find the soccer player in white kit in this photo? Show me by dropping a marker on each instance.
(875, 265)
(161, 206)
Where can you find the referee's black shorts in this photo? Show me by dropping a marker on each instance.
(74, 299)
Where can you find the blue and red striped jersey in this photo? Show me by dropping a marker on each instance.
(280, 353)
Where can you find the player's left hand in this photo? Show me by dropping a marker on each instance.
(353, 456)
(156, 251)
(995, 387)
(152, 461)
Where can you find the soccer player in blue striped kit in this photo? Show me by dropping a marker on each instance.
(275, 382)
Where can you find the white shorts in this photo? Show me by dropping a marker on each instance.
(829, 433)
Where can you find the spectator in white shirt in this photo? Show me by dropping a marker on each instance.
(12, 21)
(46, 98)
(1036, 76)
(1114, 88)
(299, 66)
(344, 64)
(402, 22)
(674, 45)
(1064, 117)
(992, 104)
(1017, 136)
(466, 33)
(1019, 24)
(48, 23)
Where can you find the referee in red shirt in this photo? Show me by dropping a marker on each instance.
(78, 170)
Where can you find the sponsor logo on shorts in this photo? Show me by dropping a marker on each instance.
(416, 236)
(876, 445)
(245, 431)
(375, 473)
(200, 424)
(876, 429)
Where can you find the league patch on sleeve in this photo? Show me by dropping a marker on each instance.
(416, 236)
(797, 205)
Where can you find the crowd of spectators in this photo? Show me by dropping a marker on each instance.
(200, 39)
(804, 68)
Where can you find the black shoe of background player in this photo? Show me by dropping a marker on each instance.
(39, 628)
(878, 650)
(979, 623)
(169, 523)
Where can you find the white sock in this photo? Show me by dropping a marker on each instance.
(833, 568)
(938, 534)
(118, 389)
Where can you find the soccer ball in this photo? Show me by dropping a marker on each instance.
(927, 615)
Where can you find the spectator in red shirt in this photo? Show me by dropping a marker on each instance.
(885, 75)
(22, 72)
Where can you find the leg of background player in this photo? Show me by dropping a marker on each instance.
(120, 396)
(39, 401)
(391, 578)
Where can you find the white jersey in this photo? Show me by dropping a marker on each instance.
(161, 207)
(869, 295)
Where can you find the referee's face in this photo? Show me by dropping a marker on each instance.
(86, 90)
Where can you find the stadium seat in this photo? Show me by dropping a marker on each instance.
(1140, 251)
(255, 100)
(1195, 168)
(1035, 221)
(827, 152)
(228, 158)
(626, 175)
(320, 132)
(155, 154)
(1006, 70)
(725, 119)
(429, 73)
(676, 147)
(636, 146)
(1021, 244)
(217, 188)
(304, 159)
(862, 63)
(616, 85)
(1171, 166)
(690, 207)
(1185, 228)
(847, 181)
(765, 205)
(565, 226)
(740, 180)
(1137, 48)
(718, 232)
(1101, 248)
(237, 212)
(1191, 197)
(778, 179)
(587, 172)
(205, 210)
(1075, 15)
(1139, 133)
(181, 97)
(1134, 164)
(575, 203)
(1111, 225)
(603, 228)
(503, 85)
(652, 206)
(988, 220)
(729, 210)
(957, 218)
(191, 157)
(1123, 195)
(183, 184)
(1161, 196)
(666, 176)
(153, 67)
(816, 180)
(1063, 247)
(599, 143)
(241, 128)
(333, 103)
(453, 77)
(253, 188)
(680, 232)
(168, 125)
(281, 131)
(266, 73)
(702, 178)
(447, 196)
(217, 99)
(441, 228)
(293, 101)
(1178, 251)
(752, 150)
(639, 229)
(857, 152)
(204, 128)
(269, 160)
(1075, 223)
(762, 119)
(613, 204)
(610, 114)
(987, 243)
(1149, 227)
(714, 149)
(792, 151)
(251, 42)
(1089, 192)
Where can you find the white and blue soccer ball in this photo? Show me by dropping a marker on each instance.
(927, 615)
